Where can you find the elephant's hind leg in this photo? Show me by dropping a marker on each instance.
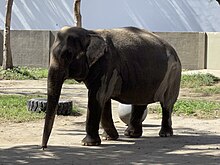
(110, 132)
(166, 125)
(167, 104)
(135, 126)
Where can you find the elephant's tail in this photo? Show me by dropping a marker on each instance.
(168, 90)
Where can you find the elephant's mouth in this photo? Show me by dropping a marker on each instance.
(78, 76)
(78, 80)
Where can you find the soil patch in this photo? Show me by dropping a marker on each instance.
(195, 141)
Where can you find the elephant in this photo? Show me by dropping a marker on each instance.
(129, 65)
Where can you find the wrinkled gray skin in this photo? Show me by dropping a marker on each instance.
(130, 65)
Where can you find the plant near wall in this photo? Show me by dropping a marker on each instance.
(7, 55)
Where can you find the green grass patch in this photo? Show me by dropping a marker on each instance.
(208, 91)
(27, 73)
(70, 81)
(198, 80)
(76, 111)
(23, 73)
(14, 108)
(198, 108)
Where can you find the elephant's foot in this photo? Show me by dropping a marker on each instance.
(166, 132)
(110, 134)
(91, 141)
(134, 132)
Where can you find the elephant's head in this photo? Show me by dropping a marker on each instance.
(75, 50)
(73, 53)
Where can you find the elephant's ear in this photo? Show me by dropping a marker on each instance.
(95, 49)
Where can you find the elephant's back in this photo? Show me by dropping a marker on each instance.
(131, 37)
(137, 44)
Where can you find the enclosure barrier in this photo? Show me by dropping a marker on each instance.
(197, 50)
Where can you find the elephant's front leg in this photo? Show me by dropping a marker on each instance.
(92, 122)
(110, 132)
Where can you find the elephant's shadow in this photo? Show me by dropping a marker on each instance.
(179, 149)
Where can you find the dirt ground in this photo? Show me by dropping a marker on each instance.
(195, 141)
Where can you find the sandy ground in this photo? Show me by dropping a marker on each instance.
(195, 141)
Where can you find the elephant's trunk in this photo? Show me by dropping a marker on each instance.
(54, 85)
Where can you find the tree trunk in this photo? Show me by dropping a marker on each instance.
(77, 15)
(7, 56)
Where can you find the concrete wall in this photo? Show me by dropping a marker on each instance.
(213, 50)
(196, 50)
(1, 46)
(190, 48)
(30, 48)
